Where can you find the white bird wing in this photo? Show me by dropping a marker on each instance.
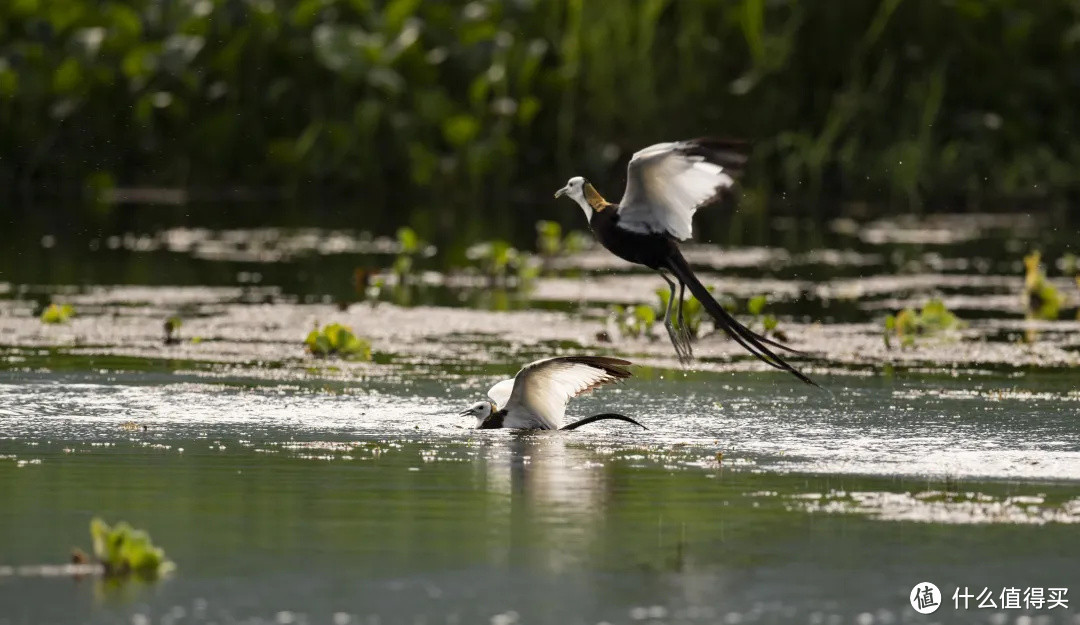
(666, 183)
(542, 388)
(500, 393)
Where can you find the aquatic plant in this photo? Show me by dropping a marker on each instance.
(172, 325)
(409, 246)
(125, 551)
(57, 313)
(633, 321)
(337, 340)
(769, 323)
(550, 241)
(498, 260)
(907, 325)
(548, 238)
(1042, 300)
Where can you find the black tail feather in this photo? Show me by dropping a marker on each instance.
(601, 417)
(748, 339)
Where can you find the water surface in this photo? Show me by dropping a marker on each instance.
(333, 502)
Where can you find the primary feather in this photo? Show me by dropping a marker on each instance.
(667, 183)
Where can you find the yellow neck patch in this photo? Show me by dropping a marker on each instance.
(595, 200)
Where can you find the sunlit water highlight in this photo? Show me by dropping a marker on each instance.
(372, 503)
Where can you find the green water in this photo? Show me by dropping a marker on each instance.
(295, 503)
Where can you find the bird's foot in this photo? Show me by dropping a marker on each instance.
(680, 340)
(685, 338)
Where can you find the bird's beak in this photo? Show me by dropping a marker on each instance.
(561, 192)
(464, 413)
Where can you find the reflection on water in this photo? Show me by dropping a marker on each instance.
(548, 482)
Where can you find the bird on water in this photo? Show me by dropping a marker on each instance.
(536, 398)
(666, 184)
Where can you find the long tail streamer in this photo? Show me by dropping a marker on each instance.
(601, 417)
(750, 340)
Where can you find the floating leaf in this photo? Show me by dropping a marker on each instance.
(125, 551)
(57, 313)
(932, 320)
(337, 340)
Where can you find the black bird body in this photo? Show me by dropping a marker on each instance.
(666, 184)
(641, 249)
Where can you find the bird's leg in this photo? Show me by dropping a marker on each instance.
(684, 330)
(676, 339)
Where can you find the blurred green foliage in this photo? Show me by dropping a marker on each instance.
(1042, 300)
(499, 261)
(337, 340)
(550, 241)
(125, 551)
(907, 325)
(455, 109)
(172, 327)
(634, 321)
(756, 307)
(57, 313)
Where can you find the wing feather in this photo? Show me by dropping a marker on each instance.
(500, 393)
(542, 388)
(667, 183)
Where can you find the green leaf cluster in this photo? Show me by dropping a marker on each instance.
(57, 313)
(756, 306)
(1042, 300)
(907, 325)
(410, 247)
(550, 241)
(634, 321)
(499, 260)
(125, 551)
(337, 340)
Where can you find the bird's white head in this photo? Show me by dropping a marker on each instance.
(579, 190)
(481, 410)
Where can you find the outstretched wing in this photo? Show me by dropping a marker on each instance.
(542, 388)
(500, 393)
(666, 183)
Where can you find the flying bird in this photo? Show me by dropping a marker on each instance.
(536, 398)
(666, 184)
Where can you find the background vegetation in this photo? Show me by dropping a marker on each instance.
(447, 109)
